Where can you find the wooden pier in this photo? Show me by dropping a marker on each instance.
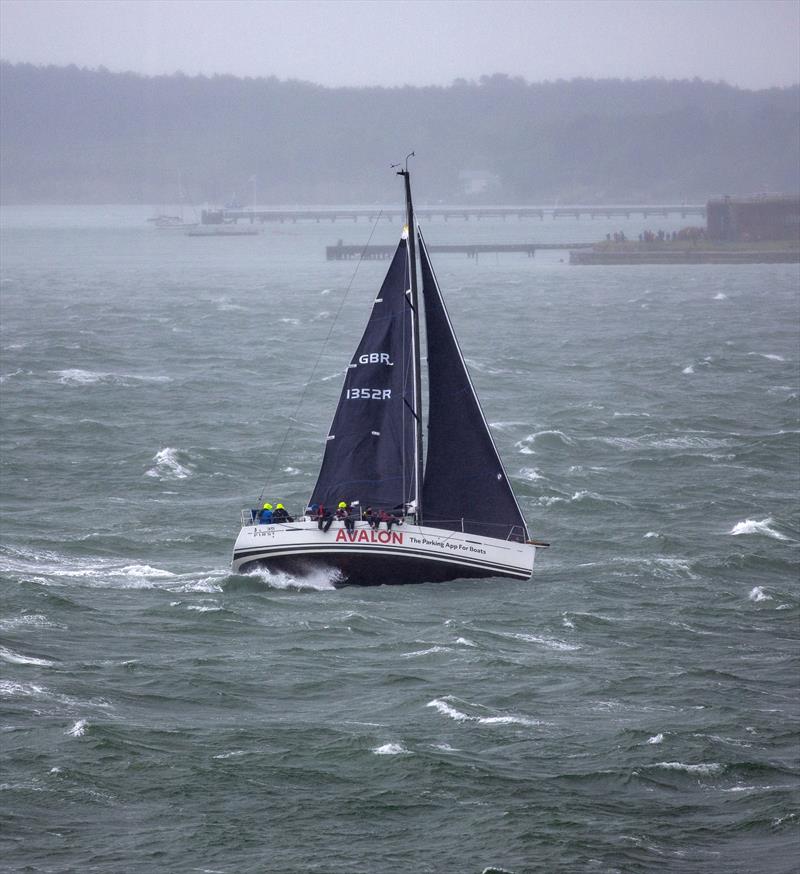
(342, 252)
(446, 213)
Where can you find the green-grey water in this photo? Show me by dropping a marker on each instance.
(632, 708)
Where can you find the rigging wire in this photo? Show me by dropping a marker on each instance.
(293, 417)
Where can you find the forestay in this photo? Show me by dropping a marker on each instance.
(369, 453)
(465, 483)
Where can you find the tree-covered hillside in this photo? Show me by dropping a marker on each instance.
(78, 135)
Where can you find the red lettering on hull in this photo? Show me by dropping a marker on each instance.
(368, 536)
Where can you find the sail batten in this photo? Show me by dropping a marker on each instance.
(465, 485)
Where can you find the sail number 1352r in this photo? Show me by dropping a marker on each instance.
(369, 394)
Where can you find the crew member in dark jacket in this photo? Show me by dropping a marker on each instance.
(280, 514)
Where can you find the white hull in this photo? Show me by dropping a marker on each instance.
(406, 554)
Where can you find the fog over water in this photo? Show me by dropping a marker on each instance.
(746, 43)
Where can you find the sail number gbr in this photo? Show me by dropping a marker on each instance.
(369, 394)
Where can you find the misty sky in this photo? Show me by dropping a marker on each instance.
(417, 42)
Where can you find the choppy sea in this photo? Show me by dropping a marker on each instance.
(632, 708)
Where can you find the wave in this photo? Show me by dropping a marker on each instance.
(549, 437)
(167, 465)
(576, 497)
(757, 594)
(757, 526)
(78, 376)
(8, 655)
(49, 568)
(429, 651)
(767, 355)
(27, 620)
(78, 729)
(19, 372)
(315, 580)
(704, 769)
(547, 642)
(656, 739)
(443, 706)
(13, 689)
(391, 749)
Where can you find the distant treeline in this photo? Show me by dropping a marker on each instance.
(72, 135)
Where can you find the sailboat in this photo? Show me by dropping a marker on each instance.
(458, 516)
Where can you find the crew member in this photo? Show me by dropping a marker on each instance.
(344, 513)
(265, 517)
(325, 518)
(280, 514)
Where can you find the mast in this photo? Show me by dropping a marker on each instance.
(412, 257)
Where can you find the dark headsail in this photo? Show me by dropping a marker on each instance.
(369, 454)
(465, 483)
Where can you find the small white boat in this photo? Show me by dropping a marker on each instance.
(459, 516)
(171, 223)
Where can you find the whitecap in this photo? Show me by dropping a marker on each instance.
(318, 580)
(33, 620)
(688, 369)
(424, 652)
(530, 474)
(549, 501)
(292, 471)
(768, 356)
(288, 321)
(549, 642)
(205, 584)
(757, 594)
(652, 534)
(463, 641)
(704, 769)
(76, 376)
(566, 622)
(78, 729)
(757, 526)
(140, 570)
(656, 739)
(18, 372)
(234, 754)
(720, 296)
(509, 720)
(15, 658)
(391, 749)
(167, 465)
(689, 441)
(447, 710)
(12, 689)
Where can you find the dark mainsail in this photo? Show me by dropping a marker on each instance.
(370, 453)
(465, 483)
